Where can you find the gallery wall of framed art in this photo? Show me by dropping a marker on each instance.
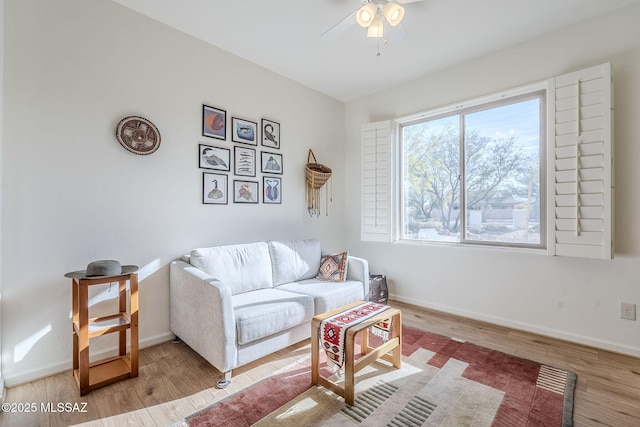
(244, 168)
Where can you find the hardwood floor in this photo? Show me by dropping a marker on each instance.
(175, 382)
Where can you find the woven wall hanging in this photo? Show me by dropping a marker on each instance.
(317, 176)
(138, 135)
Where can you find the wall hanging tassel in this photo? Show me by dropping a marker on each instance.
(317, 175)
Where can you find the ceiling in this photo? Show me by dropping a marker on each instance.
(284, 35)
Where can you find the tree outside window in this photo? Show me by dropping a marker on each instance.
(474, 176)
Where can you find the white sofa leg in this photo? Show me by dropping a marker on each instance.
(223, 383)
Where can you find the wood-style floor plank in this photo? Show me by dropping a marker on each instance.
(64, 386)
(31, 393)
(174, 381)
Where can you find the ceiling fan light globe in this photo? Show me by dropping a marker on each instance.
(393, 13)
(376, 29)
(366, 15)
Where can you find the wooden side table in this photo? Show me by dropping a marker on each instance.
(98, 374)
(351, 366)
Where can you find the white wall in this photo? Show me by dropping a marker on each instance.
(1, 176)
(569, 298)
(73, 70)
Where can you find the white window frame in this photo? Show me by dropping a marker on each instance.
(579, 143)
(480, 104)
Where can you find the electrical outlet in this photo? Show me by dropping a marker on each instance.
(627, 311)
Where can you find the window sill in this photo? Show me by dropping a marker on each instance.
(474, 246)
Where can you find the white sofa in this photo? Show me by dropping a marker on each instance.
(234, 304)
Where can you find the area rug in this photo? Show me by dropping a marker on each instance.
(442, 382)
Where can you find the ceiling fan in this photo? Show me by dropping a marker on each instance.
(371, 15)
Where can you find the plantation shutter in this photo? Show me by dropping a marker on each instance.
(376, 224)
(581, 176)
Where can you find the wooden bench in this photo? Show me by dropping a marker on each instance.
(390, 350)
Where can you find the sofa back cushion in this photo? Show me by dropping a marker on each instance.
(243, 268)
(294, 260)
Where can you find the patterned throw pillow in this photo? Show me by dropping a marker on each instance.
(333, 268)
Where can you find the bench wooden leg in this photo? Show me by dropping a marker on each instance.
(315, 356)
(349, 370)
(396, 329)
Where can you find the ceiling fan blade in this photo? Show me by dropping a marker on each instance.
(342, 26)
(408, 1)
(396, 34)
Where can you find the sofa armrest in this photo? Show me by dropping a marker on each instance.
(201, 314)
(358, 269)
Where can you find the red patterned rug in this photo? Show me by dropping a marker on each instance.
(442, 382)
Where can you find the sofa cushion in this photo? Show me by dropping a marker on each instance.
(243, 268)
(294, 260)
(265, 312)
(333, 268)
(327, 295)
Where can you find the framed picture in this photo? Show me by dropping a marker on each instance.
(214, 122)
(244, 131)
(270, 133)
(245, 191)
(214, 157)
(271, 187)
(214, 188)
(245, 161)
(271, 163)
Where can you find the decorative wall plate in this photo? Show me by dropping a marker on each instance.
(138, 135)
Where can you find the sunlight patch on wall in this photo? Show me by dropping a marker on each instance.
(148, 269)
(24, 347)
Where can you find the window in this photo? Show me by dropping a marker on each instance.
(474, 175)
(532, 168)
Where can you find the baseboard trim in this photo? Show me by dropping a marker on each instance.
(551, 333)
(56, 368)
